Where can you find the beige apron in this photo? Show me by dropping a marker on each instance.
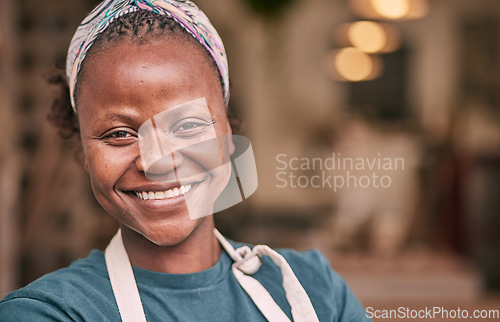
(246, 262)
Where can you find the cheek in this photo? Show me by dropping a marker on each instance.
(208, 154)
(212, 152)
(106, 165)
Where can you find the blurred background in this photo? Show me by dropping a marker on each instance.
(314, 81)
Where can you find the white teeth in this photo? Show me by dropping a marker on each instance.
(159, 195)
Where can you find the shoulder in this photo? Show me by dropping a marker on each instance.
(307, 262)
(60, 294)
(328, 291)
(66, 281)
(314, 272)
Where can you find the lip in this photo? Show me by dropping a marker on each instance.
(158, 204)
(164, 185)
(156, 186)
(162, 204)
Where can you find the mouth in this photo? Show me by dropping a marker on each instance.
(165, 194)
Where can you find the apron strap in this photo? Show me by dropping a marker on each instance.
(123, 281)
(246, 262)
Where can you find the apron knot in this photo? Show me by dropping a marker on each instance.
(250, 260)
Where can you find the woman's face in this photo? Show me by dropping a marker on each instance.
(149, 117)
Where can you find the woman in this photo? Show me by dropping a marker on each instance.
(149, 85)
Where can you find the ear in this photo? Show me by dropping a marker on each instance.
(85, 163)
(81, 158)
(230, 144)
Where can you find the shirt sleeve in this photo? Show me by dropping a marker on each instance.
(349, 307)
(30, 309)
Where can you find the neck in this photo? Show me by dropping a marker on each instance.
(199, 251)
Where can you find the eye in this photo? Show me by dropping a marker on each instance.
(119, 137)
(190, 127)
(119, 134)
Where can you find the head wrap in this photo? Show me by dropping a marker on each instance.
(184, 12)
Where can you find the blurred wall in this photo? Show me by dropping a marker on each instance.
(290, 107)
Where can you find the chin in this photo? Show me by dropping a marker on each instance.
(170, 234)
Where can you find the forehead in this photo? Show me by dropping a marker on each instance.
(164, 46)
(136, 74)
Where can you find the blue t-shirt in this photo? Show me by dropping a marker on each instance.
(82, 292)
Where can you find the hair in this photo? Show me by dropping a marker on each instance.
(141, 26)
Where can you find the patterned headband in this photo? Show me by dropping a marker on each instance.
(184, 12)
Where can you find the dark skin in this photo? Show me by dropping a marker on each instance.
(122, 87)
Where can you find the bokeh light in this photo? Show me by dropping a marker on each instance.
(390, 9)
(368, 36)
(351, 64)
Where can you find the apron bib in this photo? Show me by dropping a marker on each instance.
(246, 262)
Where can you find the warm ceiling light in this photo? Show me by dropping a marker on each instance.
(391, 9)
(351, 64)
(367, 36)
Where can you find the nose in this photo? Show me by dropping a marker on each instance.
(162, 164)
(157, 155)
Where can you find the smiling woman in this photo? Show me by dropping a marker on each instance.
(148, 84)
(168, 73)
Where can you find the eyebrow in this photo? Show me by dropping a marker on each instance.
(184, 108)
(117, 117)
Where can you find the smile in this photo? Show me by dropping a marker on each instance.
(160, 195)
